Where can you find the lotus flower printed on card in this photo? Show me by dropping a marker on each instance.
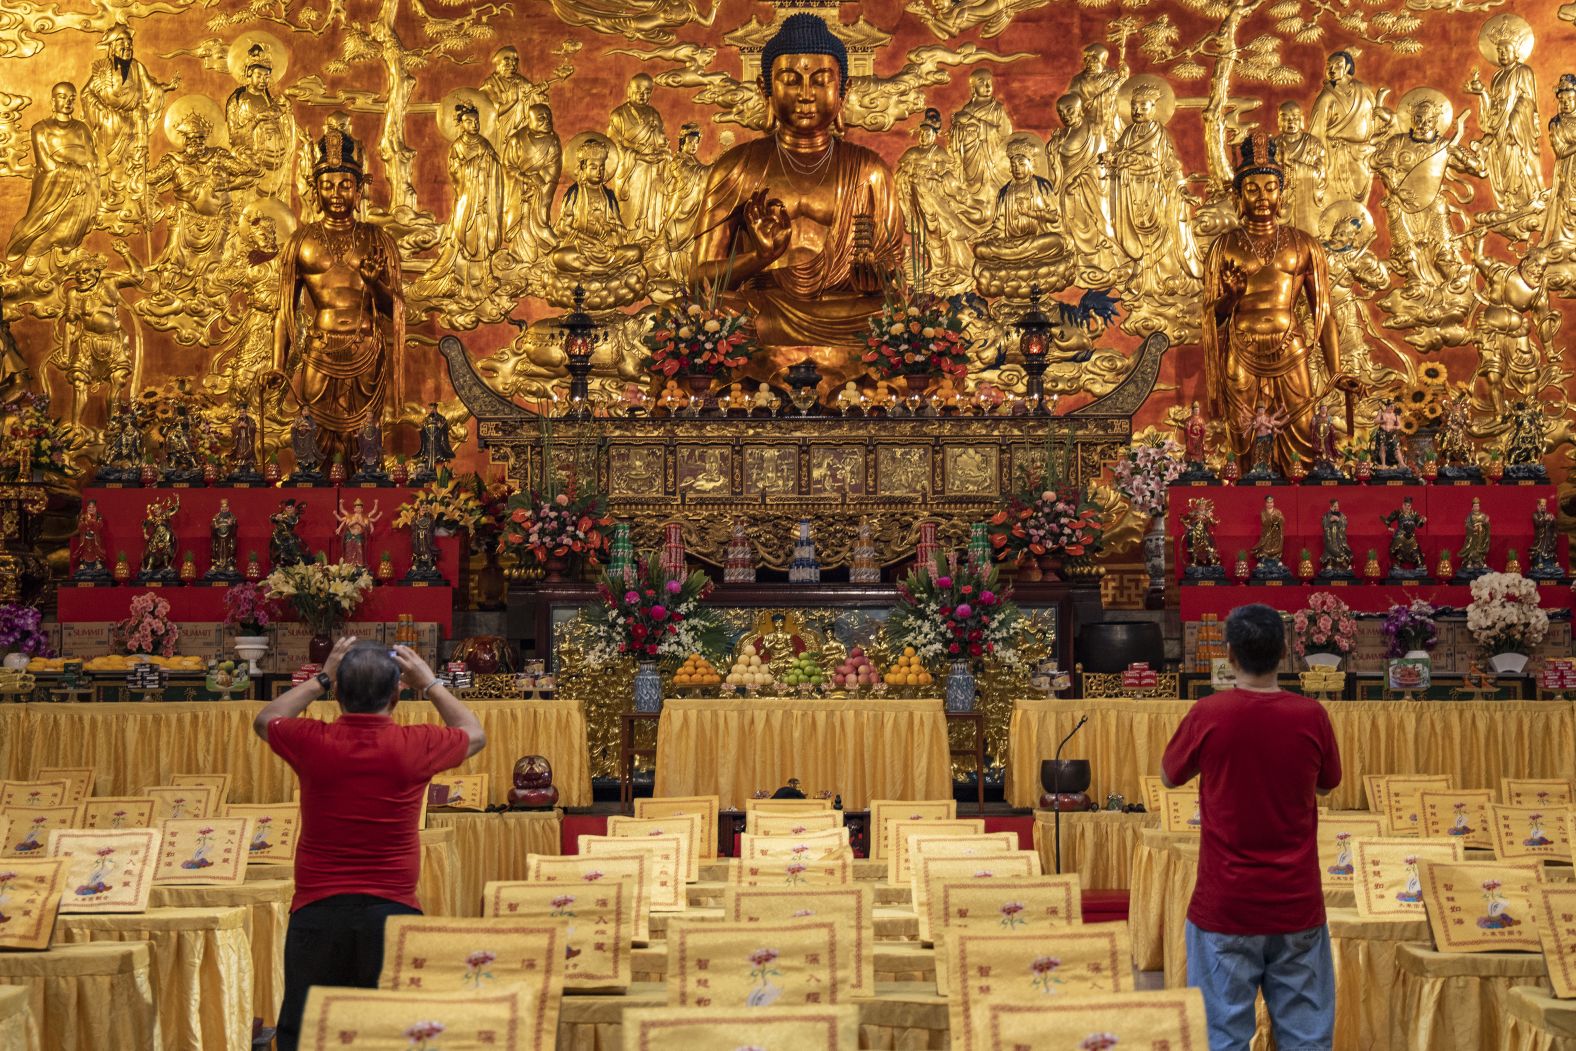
(199, 858)
(761, 961)
(1098, 1042)
(260, 837)
(1343, 857)
(1535, 834)
(422, 1034)
(476, 968)
(1460, 826)
(1414, 883)
(101, 869)
(1496, 918)
(5, 880)
(1043, 974)
(1012, 914)
(30, 842)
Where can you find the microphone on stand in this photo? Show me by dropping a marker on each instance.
(1056, 802)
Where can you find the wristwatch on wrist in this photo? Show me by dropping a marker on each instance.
(325, 682)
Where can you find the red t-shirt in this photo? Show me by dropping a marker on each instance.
(1260, 757)
(362, 780)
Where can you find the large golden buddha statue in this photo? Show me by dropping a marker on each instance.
(802, 225)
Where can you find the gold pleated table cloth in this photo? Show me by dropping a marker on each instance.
(92, 997)
(494, 847)
(1476, 742)
(1151, 895)
(18, 1027)
(267, 905)
(1098, 845)
(1455, 1001)
(858, 749)
(1535, 1021)
(133, 745)
(202, 970)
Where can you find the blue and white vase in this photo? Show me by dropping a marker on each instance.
(960, 687)
(648, 687)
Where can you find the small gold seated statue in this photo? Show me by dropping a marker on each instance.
(1025, 247)
(594, 246)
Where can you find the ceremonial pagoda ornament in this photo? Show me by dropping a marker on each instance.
(672, 558)
(90, 545)
(158, 541)
(1198, 542)
(1406, 553)
(222, 533)
(866, 567)
(1544, 554)
(1270, 551)
(738, 565)
(805, 567)
(1335, 562)
(1473, 554)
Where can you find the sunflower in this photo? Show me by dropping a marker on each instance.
(1433, 410)
(1409, 425)
(1415, 398)
(1433, 374)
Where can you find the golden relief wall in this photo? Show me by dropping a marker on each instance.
(157, 153)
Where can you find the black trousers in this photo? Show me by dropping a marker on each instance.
(336, 941)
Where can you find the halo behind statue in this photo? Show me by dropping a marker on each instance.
(449, 124)
(1403, 111)
(1506, 26)
(201, 105)
(240, 55)
(1165, 101)
(1347, 219)
(1036, 148)
(572, 149)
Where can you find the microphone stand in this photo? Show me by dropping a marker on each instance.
(1056, 802)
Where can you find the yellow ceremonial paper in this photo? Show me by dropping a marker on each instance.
(900, 831)
(1170, 1019)
(28, 835)
(1403, 797)
(885, 811)
(1546, 792)
(850, 907)
(112, 812)
(667, 853)
(1338, 835)
(762, 823)
(35, 794)
(599, 925)
(928, 871)
(505, 1019)
(1007, 905)
(1530, 832)
(1181, 811)
(1458, 813)
(796, 1028)
(787, 806)
(983, 967)
(721, 964)
(1554, 905)
(29, 899)
(812, 846)
(1482, 906)
(1154, 788)
(635, 866)
(275, 829)
(466, 791)
(1389, 882)
(183, 802)
(790, 872)
(679, 806)
(690, 826)
(208, 851)
(108, 870)
(80, 778)
(483, 955)
(219, 782)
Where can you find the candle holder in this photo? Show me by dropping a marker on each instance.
(581, 337)
(1034, 344)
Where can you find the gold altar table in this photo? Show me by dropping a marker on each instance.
(202, 971)
(1098, 845)
(859, 749)
(492, 847)
(18, 1027)
(1454, 1001)
(1535, 1021)
(1365, 975)
(91, 997)
(267, 905)
(1150, 897)
(1476, 742)
(133, 745)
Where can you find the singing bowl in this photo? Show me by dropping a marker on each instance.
(1060, 776)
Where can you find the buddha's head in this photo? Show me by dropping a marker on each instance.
(1145, 99)
(1290, 119)
(1565, 94)
(804, 72)
(259, 67)
(539, 118)
(1070, 109)
(506, 61)
(1340, 67)
(63, 98)
(1095, 57)
(981, 84)
(1020, 159)
(592, 162)
(639, 88)
(1259, 178)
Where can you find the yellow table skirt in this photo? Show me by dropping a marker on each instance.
(494, 847)
(267, 905)
(1477, 742)
(1365, 977)
(1452, 1001)
(1535, 1021)
(88, 997)
(1150, 896)
(1183, 871)
(1098, 845)
(133, 745)
(438, 886)
(202, 971)
(858, 749)
(18, 1027)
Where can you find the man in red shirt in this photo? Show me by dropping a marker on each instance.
(1256, 922)
(362, 781)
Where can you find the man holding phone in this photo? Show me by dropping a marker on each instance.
(362, 781)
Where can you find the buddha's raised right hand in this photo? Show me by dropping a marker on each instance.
(766, 227)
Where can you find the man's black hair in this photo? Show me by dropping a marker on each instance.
(368, 678)
(1256, 637)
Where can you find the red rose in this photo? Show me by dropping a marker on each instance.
(651, 648)
(954, 648)
(974, 649)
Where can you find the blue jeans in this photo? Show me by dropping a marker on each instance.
(1294, 971)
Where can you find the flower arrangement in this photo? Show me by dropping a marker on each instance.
(656, 618)
(1504, 616)
(1152, 461)
(452, 505)
(148, 629)
(1326, 625)
(248, 610)
(916, 334)
(493, 500)
(698, 339)
(324, 594)
(36, 441)
(1423, 402)
(1409, 627)
(570, 524)
(1047, 523)
(961, 614)
(20, 630)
